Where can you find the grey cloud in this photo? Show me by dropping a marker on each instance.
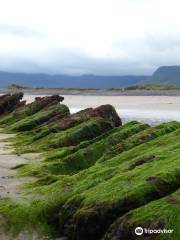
(143, 56)
(71, 62)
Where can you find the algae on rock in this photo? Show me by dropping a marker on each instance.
(99, 179)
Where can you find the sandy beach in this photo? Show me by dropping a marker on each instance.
(10, 186)
(150, 109)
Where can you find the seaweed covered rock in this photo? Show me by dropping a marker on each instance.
(105, 111)
(37, 105)
(87, 156)
(23, 110)
(41, 117)
(100, 179)
(108, 111)
(4, 96)
(140, 138)
(9, 102)
(161, 216)
(21, 104)
(107, 190)
(85, 131)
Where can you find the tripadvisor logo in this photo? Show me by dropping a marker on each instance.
(139, 231)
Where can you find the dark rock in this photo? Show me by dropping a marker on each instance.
(141, 161)
(104, 111)
(108, 112)
(53, 98)
(38, 98)
(92, 223)
(21, 104)
(120, 230)
(37, 105)
(123, 229)
(4, 96)
(56, 98)
(9, 102)
(161, 187)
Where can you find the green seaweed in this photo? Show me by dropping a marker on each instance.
(30, 122)
(159, 214)
(97, 181)
(84, 157)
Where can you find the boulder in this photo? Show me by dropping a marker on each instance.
(105, 111)
(39, 104)
(9, 102)
(57, 123)
(108, 112)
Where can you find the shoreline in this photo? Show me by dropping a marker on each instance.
(92, 92)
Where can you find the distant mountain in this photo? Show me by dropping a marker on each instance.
(166, 74)
(66, 81)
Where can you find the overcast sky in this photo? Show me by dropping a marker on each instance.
(89, 36)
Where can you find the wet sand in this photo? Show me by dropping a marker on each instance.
(9, 184)
(94, 92)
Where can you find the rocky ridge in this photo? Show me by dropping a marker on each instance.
(98, 179)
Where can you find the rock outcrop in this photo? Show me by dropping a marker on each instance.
(99, 179)
(57, 123)
(37, 105)
(9, 102)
